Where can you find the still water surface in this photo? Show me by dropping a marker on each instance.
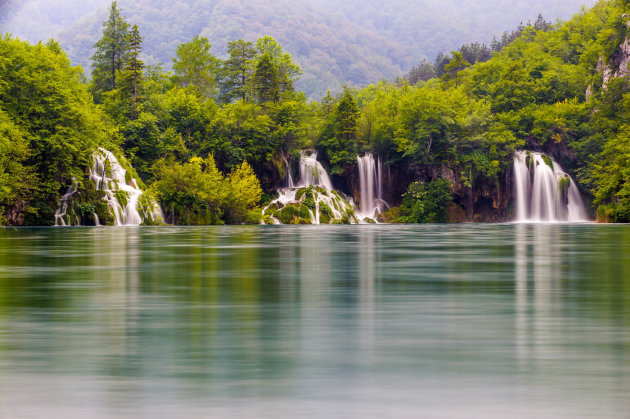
(479, 321)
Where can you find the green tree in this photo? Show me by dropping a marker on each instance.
(191, 193)
(451, 71)
(195, 66)
(266, 81)
(111, 50)
(16, 179)
(45, 99)
(237, 71)
(287, 72)
(244, 194)
(132, 76)
(340, 136)
(427, 202)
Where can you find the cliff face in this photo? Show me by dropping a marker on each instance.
(617, 66)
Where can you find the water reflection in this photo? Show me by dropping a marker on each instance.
(369, 321)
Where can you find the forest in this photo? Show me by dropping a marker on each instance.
(213, 139)
(358, 42)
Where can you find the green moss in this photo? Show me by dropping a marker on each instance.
(304, 212)
(128, 177)
(267, 219)
(324, 219)
(108, 168)
(564, 183)
(271, 209)
(547, 161)
(324, 209)
(299, 193)
(369, 221)
(337, 221)
(122, 198)
(287, 214)
(309, 198)
(321, 190)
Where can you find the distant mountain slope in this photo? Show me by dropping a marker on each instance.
(355, 41)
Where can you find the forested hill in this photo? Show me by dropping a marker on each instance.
(356, 42)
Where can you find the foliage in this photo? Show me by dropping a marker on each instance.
(45, 103)
(197, 193)
(426, 202)
(111, 50)
(195, 66)
(339, 138)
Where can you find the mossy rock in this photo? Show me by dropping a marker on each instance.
(309, 202)
(321, 190)
(564, 183)
(337, 221)
(108, 168)
(304, 212)
(324, 218)
(122, 198)
(369, 221)
(287, 214)
(305, 221)
(324, 209)
(547, 160)
(267, 219)
(128, 177)
(271, 209)
(300, 193)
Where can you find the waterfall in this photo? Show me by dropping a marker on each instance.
(310, 200)
(371, 201)
(544, 192)
(63, 207)
(312, 172)
(288, 177)
(121, 192)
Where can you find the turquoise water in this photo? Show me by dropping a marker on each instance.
(487, 321)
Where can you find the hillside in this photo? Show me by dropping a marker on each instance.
(358, 42)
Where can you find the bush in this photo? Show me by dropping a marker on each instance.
(427, 202)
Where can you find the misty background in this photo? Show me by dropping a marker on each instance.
(335, 42)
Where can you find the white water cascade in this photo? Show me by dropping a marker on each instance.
(371, 202)
(121, 193)
(314, 188)
(544, 192)
(313, 173)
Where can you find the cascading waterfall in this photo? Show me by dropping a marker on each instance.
(312, 200)
(371, 202)
(544, 192)
(121, 193)
(61, 213)
(313, 173)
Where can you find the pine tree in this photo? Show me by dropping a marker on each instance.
(237, 71)
(266, 81)
(287, 70)
(110, 53)
(347, 117)
(133, 72)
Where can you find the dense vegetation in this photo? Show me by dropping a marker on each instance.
(210, 139)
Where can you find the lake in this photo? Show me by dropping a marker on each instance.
(369, 321)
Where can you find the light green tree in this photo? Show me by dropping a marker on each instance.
(195, 66)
